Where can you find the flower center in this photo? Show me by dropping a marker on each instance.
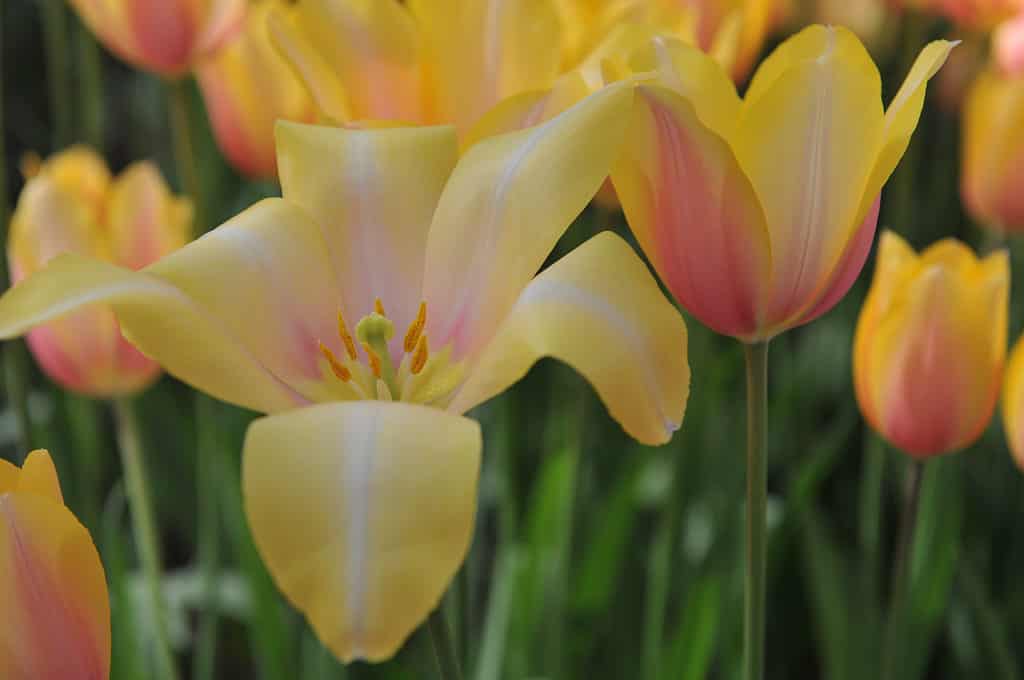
(421, 376)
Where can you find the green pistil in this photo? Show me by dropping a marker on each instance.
(375, 331)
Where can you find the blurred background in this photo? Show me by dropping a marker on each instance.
(594, 557)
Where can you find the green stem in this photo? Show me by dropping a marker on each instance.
(144, 530)
(15, 366)
(441, 642)
(55, 34)
(757, 493)
(992, 629)
(184, 151)
(204, 663)
(90, 87)
(900, 580)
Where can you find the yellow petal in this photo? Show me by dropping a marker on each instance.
(355, 47)
(1013, 403)
(209, 340)
(373, 193)
(144, 221)
(599, 310)
(56, 613)
(807, 140)
(363, 512)
(507, 203)
(39, 476)
(479, 52)
(902, 115)
(694, 213)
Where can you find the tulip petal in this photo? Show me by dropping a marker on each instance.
(363, 512)
(144, 221)
(599, 310)
(902, 115)
(507, 203)
(1012, 403)
(694, 213)
(374, 196)
(39, 476)
(237, 313)
(821, 120)
(56, 622)
(345, 50)
(481, 51)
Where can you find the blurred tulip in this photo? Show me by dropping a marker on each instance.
(977, 15)
(55, 622)
(1013, 403)
(758, 214)
(247, 86)
(72, 204)
(1008, 45)
(168, 37)
(362, 506)
(992, 181)
(930, 345)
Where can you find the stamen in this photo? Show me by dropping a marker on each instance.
(350, 345)
(374, 359)
(416, 328)
(378, 307)
(339, 370)
(419, 360)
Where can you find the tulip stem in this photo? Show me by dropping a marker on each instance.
(184, 152)
(442, 644)
(900, 586)
(55, 35)
(757, 493)
(144, 530)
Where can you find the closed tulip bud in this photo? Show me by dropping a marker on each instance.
(54, 607)
(168, 37)
(930, 345)
(72, 204)
(247, 86)
(1013, 403)
(992, 182)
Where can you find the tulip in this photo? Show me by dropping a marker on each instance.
(72, 204)
(388, 292)
(168, 37)
(992, 183)
(1008, 45)
(56, 613)
(247, 86)
(1013, 403)
(930, 345)
(759, 213)
(977, 15)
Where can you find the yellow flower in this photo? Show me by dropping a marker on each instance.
(759, 213)
(56, 613)
(450, 61)
(168, 37)
(1013, 403)
(395, 285)
(992, 181)
(930, 345)
(72, 204)
(247, 86)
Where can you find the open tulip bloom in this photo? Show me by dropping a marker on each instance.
(391, 290)
(53, 592)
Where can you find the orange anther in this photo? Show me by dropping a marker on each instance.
(416, 329)
(346, 338)
(378, 307)
(419, 360)
(339, 370)
(374, 360)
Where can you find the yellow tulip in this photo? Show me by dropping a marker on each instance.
(1013, 403)
(450, 61)
(55, 622)
(394, 286)
(168, 37)
(72, 204)
(992, 182)
(930, 345)
(759, 213)
(247, 86)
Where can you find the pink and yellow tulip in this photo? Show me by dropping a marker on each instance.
(392, 289)
(55, 622)
(1008, 45)
(977, 15)
(759, 213)
(72, 204)
(930, 345)
(992, 181)
(247, 86)
(168, 37)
